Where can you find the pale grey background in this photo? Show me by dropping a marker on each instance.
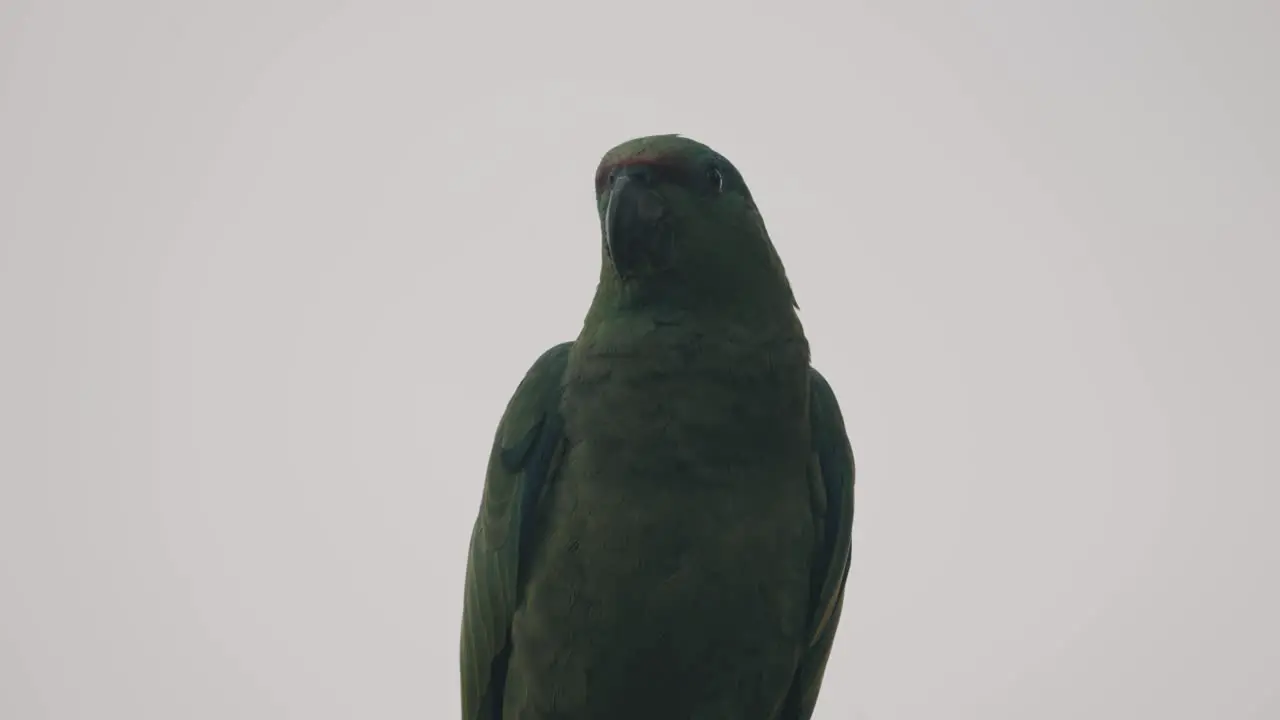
(270, 270)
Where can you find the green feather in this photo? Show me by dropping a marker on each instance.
(666, 521)
(521, 464)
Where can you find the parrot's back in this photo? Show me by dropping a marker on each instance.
(670, 576)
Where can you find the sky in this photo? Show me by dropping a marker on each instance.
(269, 272)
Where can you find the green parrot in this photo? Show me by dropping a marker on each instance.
(665, 527)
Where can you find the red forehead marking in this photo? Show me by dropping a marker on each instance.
(649, 160)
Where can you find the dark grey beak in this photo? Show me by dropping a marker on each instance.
(634, 224)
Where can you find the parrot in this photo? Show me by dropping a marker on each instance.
(665, 526)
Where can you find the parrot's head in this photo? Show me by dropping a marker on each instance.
(681, 232)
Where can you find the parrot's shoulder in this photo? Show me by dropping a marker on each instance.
(830, 439)
(520, 462)
(535, 400)
(821, 393)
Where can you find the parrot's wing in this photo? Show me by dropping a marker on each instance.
(522, 462)
(831, 477)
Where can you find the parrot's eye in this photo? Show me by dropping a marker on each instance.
(716, 178)
(604, 180)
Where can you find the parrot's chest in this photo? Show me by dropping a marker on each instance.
(686, 424)
(674, 562)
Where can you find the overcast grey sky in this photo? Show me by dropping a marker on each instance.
(270, 270)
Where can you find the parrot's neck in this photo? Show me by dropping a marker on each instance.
(674, 343)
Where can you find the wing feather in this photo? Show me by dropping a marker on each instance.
(832, 477)
(522, 462)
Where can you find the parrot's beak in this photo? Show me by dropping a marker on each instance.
(633, 225)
